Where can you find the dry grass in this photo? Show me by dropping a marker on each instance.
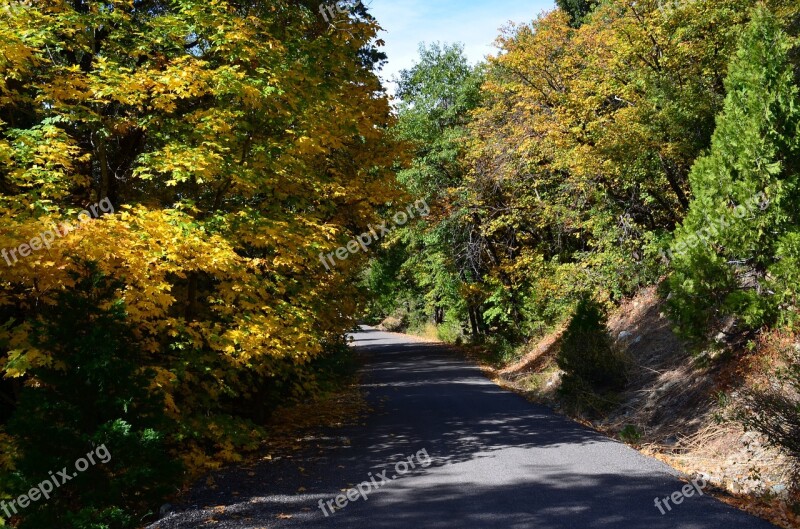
(540, 358)
(672, 405)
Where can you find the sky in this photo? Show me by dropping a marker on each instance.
(475, 23)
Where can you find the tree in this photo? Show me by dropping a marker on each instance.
(576, 9)
(736, 252)
(236, 141)
(436, 97)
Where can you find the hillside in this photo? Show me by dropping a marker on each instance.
(672, 406)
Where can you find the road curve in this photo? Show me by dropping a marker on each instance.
(483, 458)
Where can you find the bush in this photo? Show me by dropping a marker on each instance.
(593, 368)
(394, 324)
(97, 394)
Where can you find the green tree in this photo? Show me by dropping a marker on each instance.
(737, 250)
(436, 97)
(577, 9)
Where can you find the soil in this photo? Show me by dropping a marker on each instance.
(674, 407)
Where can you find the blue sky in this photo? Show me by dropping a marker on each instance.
(475, 23)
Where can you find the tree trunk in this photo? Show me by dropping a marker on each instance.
(473, 321)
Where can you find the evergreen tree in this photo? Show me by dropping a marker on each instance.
(577, 9)
(737, 251)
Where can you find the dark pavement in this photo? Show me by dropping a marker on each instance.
(496, 461)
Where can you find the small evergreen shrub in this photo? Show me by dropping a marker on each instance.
(98, 394)
(594, 370)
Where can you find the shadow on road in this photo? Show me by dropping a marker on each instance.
(498, 461)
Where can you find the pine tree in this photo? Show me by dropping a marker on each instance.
(577, 9)
(741, 232)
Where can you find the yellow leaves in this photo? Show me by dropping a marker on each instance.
(41, 159)
(248, 162)
(68, 86)
(19, 361)
(251, 96)
(185, 77)
(15, 365)
(182, 163)
(196, 461)
(163, 382)
(306, 145)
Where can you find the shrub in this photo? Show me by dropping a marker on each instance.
(394, 324)
(593, 368)
(96, 394)
(630, 434)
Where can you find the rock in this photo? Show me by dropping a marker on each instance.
(165, 509)
(778, 489)
(748, 438)
(624, 335)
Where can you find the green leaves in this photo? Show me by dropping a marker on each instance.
(427, 264)
(575, 159)
(740, 264)
(236, 141)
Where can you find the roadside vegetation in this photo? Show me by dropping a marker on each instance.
(234, 142)
(611, 152)
(614, 224)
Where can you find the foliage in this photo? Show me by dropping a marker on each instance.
(430, 264)
(576, 9)
(588, 356)
(95, 394)
(736, 251)
(569, 171)
(236, 141)
(630, 434)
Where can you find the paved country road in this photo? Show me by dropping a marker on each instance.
(495, 461)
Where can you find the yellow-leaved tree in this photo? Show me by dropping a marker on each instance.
(215, 149)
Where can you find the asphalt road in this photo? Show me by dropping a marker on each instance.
(482, 458)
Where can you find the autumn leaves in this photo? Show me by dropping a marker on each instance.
(47, 237)
(419, 209)
(235, 142)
